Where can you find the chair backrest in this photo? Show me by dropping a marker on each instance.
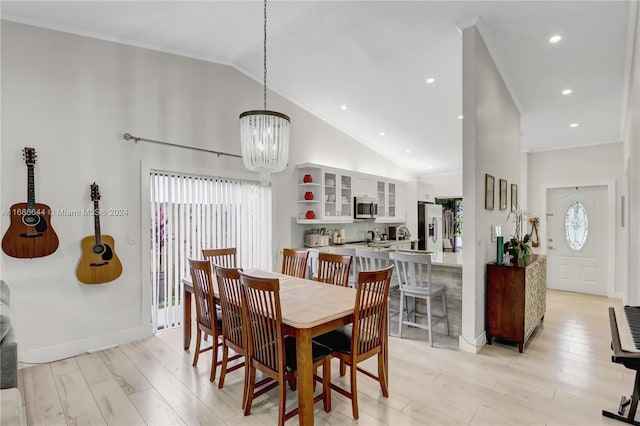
(226, 257)
(294, 262)
(334, 268)
(203, 289)
(263, 320)
(230, 292)
(312, 263)
(370, 260)
(370, 313)
(414, 270)
(348, 252)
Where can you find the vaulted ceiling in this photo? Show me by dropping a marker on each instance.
(374, 58)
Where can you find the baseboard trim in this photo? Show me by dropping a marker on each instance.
(474, 347)
(77, 347)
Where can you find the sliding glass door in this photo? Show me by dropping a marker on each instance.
(189, 213)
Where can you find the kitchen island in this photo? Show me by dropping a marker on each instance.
(446, 268)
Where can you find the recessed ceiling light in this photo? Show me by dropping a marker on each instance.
(460, 117)
(554, 39)
(567, 92)
(381, 133)
(430, 167)
(574, 124)
(343, 107)
(431, 80)
(407, 151)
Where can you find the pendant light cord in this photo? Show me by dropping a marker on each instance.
(265, 56)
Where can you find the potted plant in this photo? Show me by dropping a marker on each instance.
(518, 246)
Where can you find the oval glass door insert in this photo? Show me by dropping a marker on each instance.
(576, 225)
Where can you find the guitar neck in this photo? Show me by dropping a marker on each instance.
(96, 220)
(31, 189)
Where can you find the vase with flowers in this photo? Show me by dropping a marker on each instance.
(518, 246)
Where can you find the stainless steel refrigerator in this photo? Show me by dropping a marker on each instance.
(430, 227)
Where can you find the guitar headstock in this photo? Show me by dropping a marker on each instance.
(29, 155)
(95, 193)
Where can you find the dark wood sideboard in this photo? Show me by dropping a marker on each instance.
(516, 299)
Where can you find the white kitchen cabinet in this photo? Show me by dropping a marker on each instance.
(364, 187)
(323, 195)
(326, 195)
(338, 198)
(391, 196)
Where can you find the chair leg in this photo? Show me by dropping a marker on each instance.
(293, 382)
(354, 390)
(429, 322)
(197, 354)
(401, 314)
(382, 376)
(282, 403)
(343, 368)
(326, 383)
(214, 358)
(246, 383)
(444, 308)
(250, 389)
(225, 359)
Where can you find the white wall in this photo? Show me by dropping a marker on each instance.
(491, 144)
(444, 186)
(632, 169)
(72, 98)
(596, 164)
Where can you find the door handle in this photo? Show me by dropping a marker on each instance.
(551, 247)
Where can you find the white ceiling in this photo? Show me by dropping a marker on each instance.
(374, 57)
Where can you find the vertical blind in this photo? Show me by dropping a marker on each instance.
(189, 213)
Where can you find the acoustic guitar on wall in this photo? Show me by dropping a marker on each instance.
(30, 233)
(99, 263)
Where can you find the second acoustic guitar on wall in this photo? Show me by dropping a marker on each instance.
(99, 262)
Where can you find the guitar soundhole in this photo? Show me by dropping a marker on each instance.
(31, 220)
(98, 249)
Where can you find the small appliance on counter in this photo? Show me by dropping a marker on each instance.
(392, 232)
(339, 236)
(316, 238)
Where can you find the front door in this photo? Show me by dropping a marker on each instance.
(577, 242)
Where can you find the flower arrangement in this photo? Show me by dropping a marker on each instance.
(518, 245)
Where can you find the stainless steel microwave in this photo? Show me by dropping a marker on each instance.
(365, 208)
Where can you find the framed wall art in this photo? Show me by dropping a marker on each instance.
(489, 183)
(514, 196)
(503, 194)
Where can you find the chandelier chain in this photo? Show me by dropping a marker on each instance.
(264, 85)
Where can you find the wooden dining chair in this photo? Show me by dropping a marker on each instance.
(294, 262)
(233, 334)
(270, 351)
(334, 268)
(208, 317)
(226, 257)
(366, 336)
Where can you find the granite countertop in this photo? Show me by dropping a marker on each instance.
(441, 259)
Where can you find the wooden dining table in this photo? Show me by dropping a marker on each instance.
(309, 309)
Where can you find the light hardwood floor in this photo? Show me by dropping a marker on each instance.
(564, 377)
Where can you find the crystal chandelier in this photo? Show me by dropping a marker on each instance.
(264, 134)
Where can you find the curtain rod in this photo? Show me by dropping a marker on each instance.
(136, 139)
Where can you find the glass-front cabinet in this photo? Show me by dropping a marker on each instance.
(338, 204)
(323, 195)
(391, 205)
